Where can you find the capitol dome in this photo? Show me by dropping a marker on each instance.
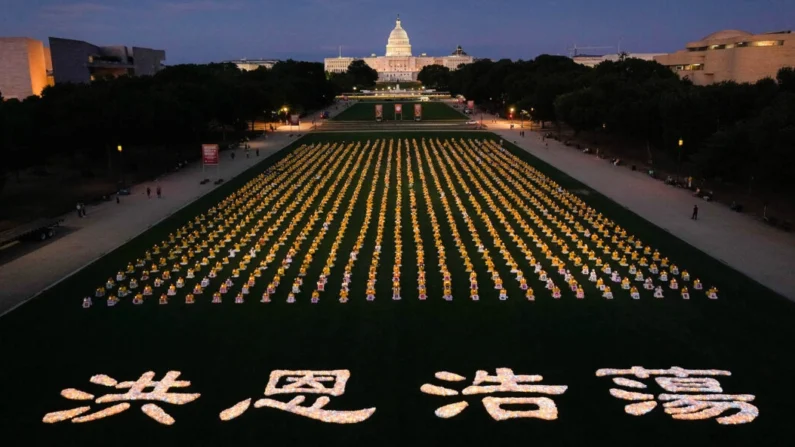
(398, 43)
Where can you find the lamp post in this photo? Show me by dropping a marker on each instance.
(512, 110)
(119, 149)
(681, 143)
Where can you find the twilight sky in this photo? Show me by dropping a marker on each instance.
(214, 30)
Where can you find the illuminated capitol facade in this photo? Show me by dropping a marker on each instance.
(398, 64)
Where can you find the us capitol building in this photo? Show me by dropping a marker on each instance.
(398, 64)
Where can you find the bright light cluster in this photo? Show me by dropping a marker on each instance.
(160, 393)
(690, 407)
(472, 190)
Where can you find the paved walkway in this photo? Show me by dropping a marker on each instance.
(740, 241)
(109, 225)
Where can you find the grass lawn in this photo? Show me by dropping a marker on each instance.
(392, 348)
(431, 111)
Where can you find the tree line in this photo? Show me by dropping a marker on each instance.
(182, 104)
(740, 133)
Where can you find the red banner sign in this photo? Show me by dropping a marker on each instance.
(379, 111)
(417, 110)
(295, 119)
(471, 105)
(210, 154)
(398, 108)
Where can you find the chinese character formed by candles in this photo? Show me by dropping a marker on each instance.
(691, 394)
(160, 393)
(300, 383)
(505, 381)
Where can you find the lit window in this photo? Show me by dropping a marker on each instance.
(767, 43)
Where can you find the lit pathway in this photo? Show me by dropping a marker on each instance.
(108, 225)
(747, 245)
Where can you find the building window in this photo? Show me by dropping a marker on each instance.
(758, 43)
(767, 43)
(690, 67)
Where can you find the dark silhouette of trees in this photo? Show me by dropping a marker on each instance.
(362, 75)
(182, 104)
(435, 76)
(732, 132)
(358, 76)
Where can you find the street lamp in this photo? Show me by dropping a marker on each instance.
(121, 166)
(512, 110)
(679, 157)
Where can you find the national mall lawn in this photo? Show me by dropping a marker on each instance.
(478, 209)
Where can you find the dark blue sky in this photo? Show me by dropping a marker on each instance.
(214, 30)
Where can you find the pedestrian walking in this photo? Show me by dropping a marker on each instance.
(118, 201)
(232, 155)
(159, 192)
(257, 152)
(83, 208)
(79, 210)
(148, 192)
(695, 212)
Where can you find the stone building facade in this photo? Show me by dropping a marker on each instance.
(79, 62)
(24, 67)
(733, 55)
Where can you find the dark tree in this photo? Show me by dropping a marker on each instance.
(363, 75)
(435, 76)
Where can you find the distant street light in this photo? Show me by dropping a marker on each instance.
(121, 167)
(679, 157)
